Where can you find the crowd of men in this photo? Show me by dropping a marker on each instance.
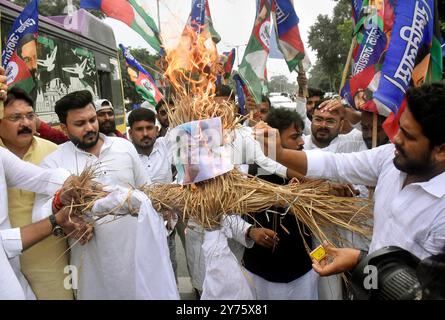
(38, 238)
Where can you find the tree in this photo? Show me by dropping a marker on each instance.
(280, 84)
(331, 39)
(319, 79)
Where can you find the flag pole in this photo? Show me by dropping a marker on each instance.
(159, 17)
(348, 63)
(374, 130)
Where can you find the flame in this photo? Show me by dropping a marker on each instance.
(193, 66)
(192, 69)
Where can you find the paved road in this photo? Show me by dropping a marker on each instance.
(184, 284)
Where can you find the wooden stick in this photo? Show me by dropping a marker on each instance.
(348, 63)
(374, 130)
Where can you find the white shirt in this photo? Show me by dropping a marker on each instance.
(105, 264)
(158, 164)
(412, 218)
(343, 143)
(307, 127)
(246, 150)
(15, 173)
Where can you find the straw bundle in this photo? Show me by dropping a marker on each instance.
(237, 193)
(84, 192)
(201, 107)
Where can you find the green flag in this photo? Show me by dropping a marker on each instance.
(253, 66)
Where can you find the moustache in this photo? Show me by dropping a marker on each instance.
(91, 134)
(25, 130)
(146, 139)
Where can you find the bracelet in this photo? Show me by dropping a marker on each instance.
(57, 202)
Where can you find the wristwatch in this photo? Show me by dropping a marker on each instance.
(57, 230)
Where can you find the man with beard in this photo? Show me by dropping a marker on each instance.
(409, 175)
(43, 264)
(325, 128)
(106, 265)
(153, 150)
(105, 116)
(162, 115)
(27, 51)
(278, 264)
(315, 95)
(365, 122)
(154, 154)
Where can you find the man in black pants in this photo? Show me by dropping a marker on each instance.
(280, 267)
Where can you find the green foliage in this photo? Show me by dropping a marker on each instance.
(280, 84)
(331, 38)
(319, 78)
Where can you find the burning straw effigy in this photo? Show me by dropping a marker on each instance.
(192, 73)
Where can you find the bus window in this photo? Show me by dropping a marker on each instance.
(64, 67)
(81, 58)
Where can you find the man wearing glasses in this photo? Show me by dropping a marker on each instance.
(326, 126)
(40, 264)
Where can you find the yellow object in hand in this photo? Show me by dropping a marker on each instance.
(318, 253)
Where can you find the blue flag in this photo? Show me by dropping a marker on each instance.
(197, 16)
(240, 93)
(20, 65)
(145, 85)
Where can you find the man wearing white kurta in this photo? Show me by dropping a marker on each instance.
(409, 175)
(156, 160)
(19, 174)
(106, 264)
(325, 136)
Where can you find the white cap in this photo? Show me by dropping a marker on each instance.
(98, 104)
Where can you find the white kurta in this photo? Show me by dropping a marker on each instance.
(412, 217)
(244, 149)
(225, 278)
(154, 276)
(15, 173)
(330, 288)
(158, 164)
(105, 265)
(302, 288)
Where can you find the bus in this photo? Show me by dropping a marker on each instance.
(75, 52)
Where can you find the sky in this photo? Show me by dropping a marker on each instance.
(232, 19)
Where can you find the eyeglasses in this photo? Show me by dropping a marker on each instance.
(329, 122)
(18, 117)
